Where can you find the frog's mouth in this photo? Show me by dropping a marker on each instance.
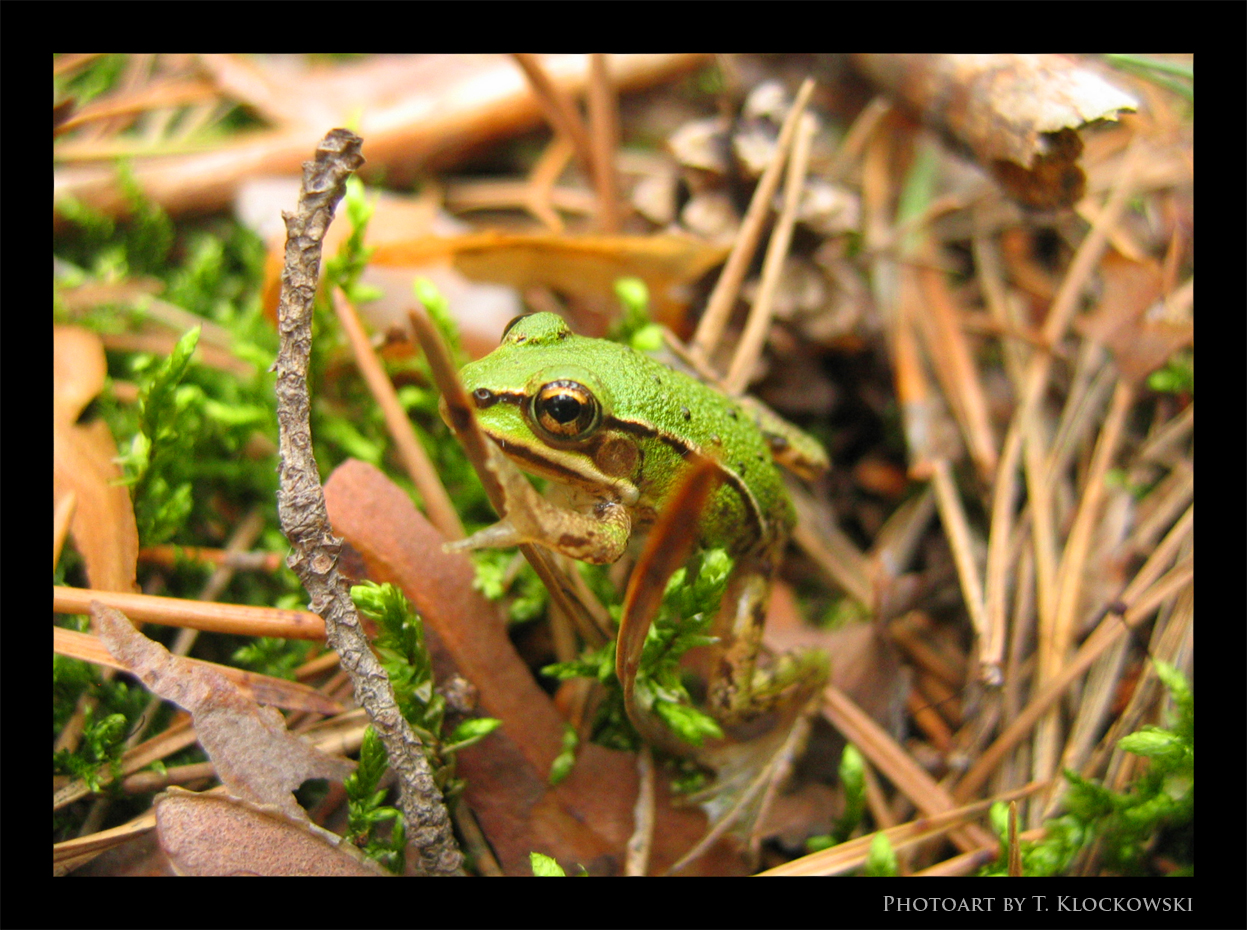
(577, 468)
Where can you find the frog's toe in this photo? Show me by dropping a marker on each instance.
(500, 535)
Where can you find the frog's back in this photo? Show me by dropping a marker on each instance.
(684, 417)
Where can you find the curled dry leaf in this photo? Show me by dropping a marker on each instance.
(255, 756)
(583, 266)
(262, 841)
(264, 689)
(1121, 322)
(83, 464)
(1018, 114)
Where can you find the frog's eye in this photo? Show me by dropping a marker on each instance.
(565, 410)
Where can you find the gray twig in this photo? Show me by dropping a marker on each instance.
(305, 521)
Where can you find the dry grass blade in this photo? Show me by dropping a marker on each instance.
(899, 767)
(1110, 629)
(718, 308)
(71, 854)
(441, 511)
(754, 336)
(852, 854)
(198, 615)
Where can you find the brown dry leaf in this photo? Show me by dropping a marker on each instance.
(264, 689)
(255, 756)
(1018, 114)
(864, 663)
(584, 267)
(1139, 345)
(103, 527)
(262, 841)
(586, 819)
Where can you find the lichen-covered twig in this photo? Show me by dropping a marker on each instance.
(301, 505)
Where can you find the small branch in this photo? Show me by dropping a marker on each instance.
(558, 106)
(301, 505)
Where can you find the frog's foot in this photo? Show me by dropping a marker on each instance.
(748, 775)
(767, 697)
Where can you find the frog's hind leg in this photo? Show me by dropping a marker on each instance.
(739, 631)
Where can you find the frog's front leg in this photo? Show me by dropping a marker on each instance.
(599, 535)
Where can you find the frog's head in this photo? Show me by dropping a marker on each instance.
(552, 416)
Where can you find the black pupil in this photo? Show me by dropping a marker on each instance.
(564, 408)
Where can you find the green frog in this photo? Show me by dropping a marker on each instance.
(615, 431)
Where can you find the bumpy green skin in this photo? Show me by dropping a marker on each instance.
(648, 407)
